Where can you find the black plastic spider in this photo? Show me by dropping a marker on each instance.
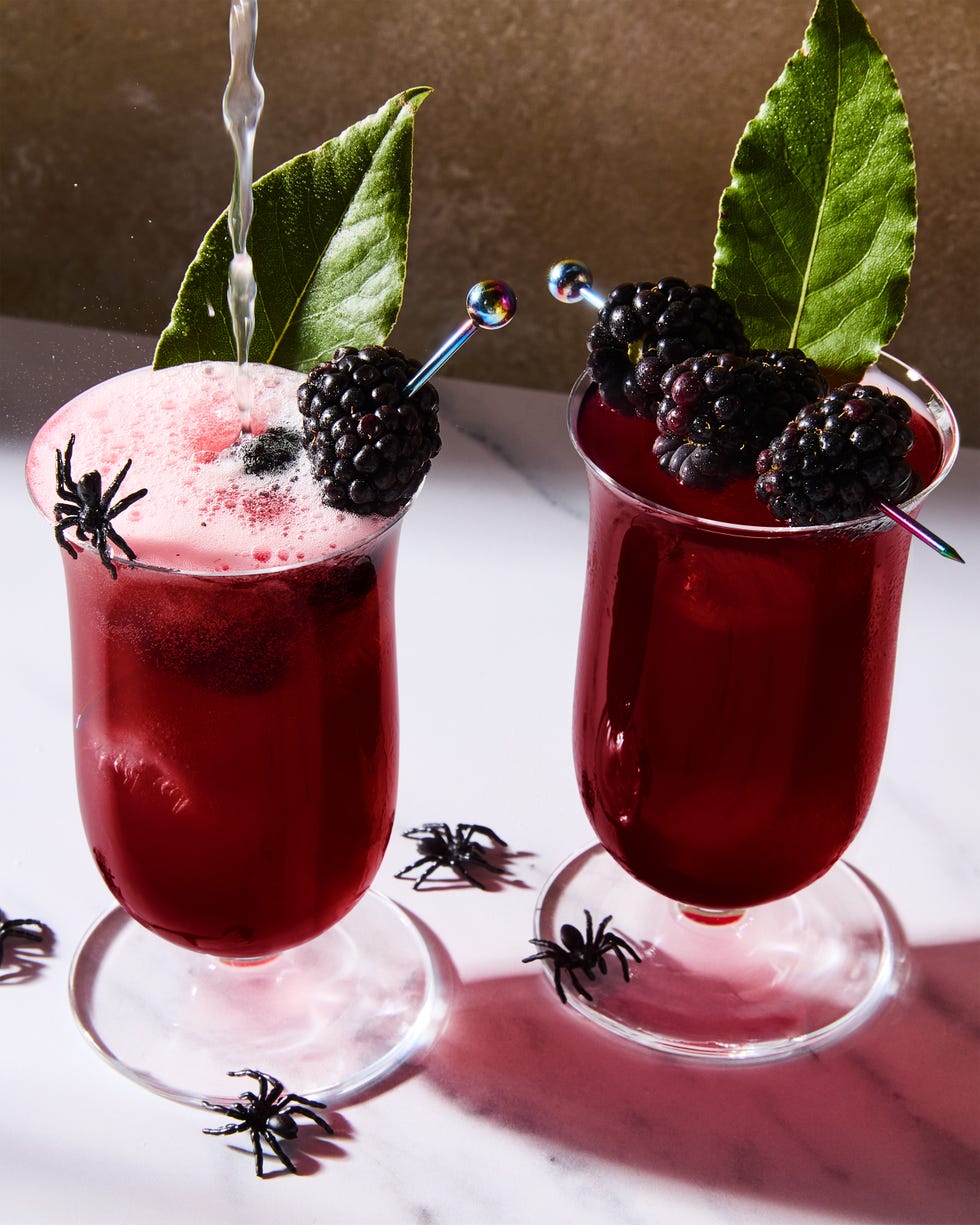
(19, 929)
(90, 511)
(442, 847)
(584, 953)
(266, 1116)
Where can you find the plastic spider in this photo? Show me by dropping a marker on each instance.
(90, 511)
(583, 953)
(19, 929)
(442, 847)
(266, 1116)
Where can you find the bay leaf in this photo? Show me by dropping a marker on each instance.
(329, 244)
(816, 231)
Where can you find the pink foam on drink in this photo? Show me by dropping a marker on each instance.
(202, 512)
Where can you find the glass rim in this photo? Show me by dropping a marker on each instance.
(120, 560)
(934, 402)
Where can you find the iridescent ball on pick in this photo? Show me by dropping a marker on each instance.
(491, 304)
(567, 279)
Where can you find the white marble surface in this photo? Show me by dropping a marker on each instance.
(522, 1112)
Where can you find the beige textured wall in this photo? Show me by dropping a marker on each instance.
(596, 128)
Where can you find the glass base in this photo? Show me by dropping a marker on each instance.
(330, 1019)
(776, 981)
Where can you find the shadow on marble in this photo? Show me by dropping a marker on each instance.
(880, 1127)
(24, 958)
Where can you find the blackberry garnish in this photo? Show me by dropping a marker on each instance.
(645, 328)
(800, 374)
(273, 451)
(719, 410)
(838, 458)
(369, 444)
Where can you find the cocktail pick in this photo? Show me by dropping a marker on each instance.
(571, 281)
(942, 547)
(489, 304)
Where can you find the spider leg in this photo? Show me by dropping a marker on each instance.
(125, 504)
(276, 1147)
(588, 968)
(257, 1150)
(308, 1114)
(427, 873)
(420, 831)
(558, 987)
(622, 962)
(234, 1111)
(301, 1101)
(576, 984)
(106, 556)
(550, 945)
(59, 534)
(268, 1085)
(487, 832)
(619, 942)
(619, 946)
(67, 487)
(411, 867)
(537, 957)
(113, 489)
(229, 1130)
(118, 541)
(476, 857)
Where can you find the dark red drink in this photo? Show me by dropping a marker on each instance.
(236, 727)
(734, 676)
(236, 744)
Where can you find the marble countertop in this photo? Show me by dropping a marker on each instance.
(522, 1112)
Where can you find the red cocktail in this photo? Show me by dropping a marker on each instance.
(731, 707)
(734, 677)
(236, 743)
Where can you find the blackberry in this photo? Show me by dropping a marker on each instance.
(719, 410)
(838, 458)
(369, 444)
(273, 451)
(644, 328)
(800, 374)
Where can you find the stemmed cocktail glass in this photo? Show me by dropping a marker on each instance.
(236, 718)
(236, 748)
(731, 706)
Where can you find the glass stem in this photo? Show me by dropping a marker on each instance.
(708, 916)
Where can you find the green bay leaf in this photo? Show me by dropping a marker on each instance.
(816, 231)
(329, 244)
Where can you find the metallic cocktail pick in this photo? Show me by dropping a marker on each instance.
(942, 547)
(489, 304)
(571, 281)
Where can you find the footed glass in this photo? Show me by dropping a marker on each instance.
(236, 753)
(731, 706)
